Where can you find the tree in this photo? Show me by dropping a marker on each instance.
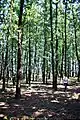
(76, 47)
(45, 43)
(65, 37)
(19, 63)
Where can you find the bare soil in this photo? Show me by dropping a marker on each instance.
(40, 102)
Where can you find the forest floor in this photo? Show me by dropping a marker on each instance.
(41, 102)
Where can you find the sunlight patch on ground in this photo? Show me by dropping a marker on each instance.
(42, 113)
(29, 90)
(41, 91)
(49, 86)
(61, 92)
(50, 92)
(77, 86)
(16, 105)
(35, 93)
(68, 95)
(42, 110)
(51, 96)
(60, 86)
(4, 107)
(70, 98)
(44, 97)
(11, 90)
(39, 112)
(70, 87)
(2, 103)
(55, 101)
(73, 78)
(28, 95)
(37, 82)
(43, 94)
(33, 108)
(63, 95)
(58, 92)
(76, 96)
(1, 115)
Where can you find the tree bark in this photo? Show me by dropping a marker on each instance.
(62, 56)
(29, 72)
(26, 67)
(77, 55)
(65, 37)
(56, 74)
(45, 43)
(52, 50)
(19, 64)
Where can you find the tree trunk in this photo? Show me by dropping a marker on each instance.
(56, 74)
(3, 67)
(7, 76)
(52, 50)
(35, 71)
(12, 64)
(65, 37)
(19, 64)
(29, 77)
(62, 57)
(26, 67)
(77, 55)
(12, 32)
(79, 71)
(5, 62)
(68, 68)
(45, 44)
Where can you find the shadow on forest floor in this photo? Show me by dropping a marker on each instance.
(40, 102)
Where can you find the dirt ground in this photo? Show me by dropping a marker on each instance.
(40, 102)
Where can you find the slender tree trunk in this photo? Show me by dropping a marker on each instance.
(3, 81)
(56, 74)
(73, 52)
(19, 64)
(29, 72)
(47, 73)
(77, 55)
(49, 69)
(6, 56)
(45, 43)
(12, 31)
(35, 71)
(43, 73)
(7, 76)
(6, 60)
(65, 37)
(79, 71)
(0, 63)
(3, 71)
(15, 63)
(3, 65)
(26, 67)
(52, 50)
(68, 67)
(38, 68)
(62, 57)
(12, 64)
